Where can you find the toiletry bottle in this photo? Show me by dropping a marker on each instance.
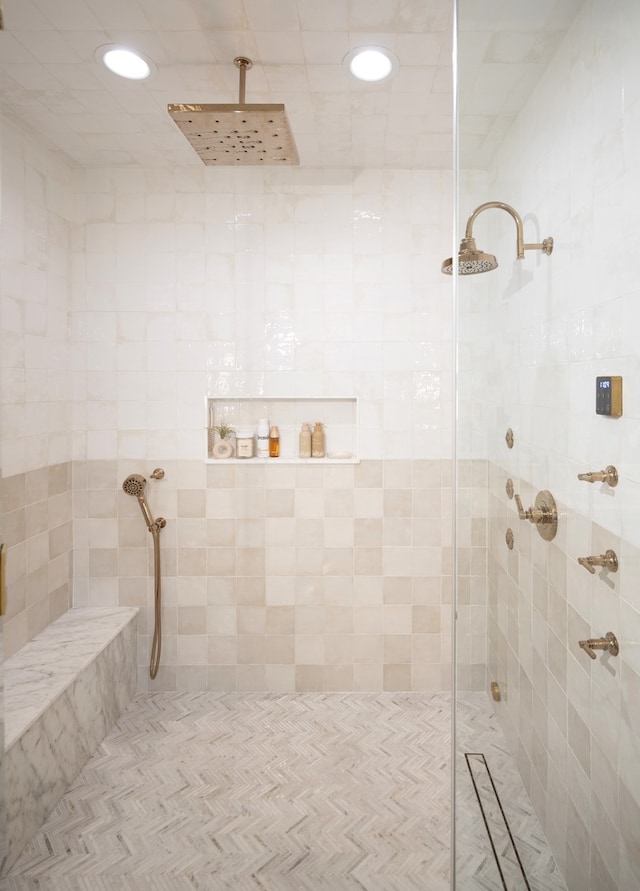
(305, 442)
(274, 442)
(317, 441)
(262, 438)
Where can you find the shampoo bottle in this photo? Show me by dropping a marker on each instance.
(274, 442)
(317, 441)
(262, 438)
(305, 442)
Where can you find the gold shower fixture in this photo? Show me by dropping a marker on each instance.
(471, 261)
(240, 134)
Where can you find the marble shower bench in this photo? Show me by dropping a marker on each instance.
(63, 692)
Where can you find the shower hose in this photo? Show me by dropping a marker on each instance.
(156, 646)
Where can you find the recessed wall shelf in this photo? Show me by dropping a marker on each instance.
(338, 416)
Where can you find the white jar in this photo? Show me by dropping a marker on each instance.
(245, 442)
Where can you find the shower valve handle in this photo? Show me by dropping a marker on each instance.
(540, 514)
(544, 515)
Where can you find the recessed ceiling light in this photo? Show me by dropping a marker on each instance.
(125, 62)
(371, 63)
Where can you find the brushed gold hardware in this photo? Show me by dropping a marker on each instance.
(509, 489)
(158, 474)
(472, 261)
(495, 691)
(608, 643)
(3, 583)
(509, 438)
(508, 537)
(544, 514)
(609, 560)
(609, 476)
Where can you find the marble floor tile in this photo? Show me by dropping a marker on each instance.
(256, 791)
(325, 792)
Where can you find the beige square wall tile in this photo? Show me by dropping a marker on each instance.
(252, 619)
(221, 649)
(368, 648)
(367, 678)
(280, 620)
(309, 678)
(426, 619)
(192, 620)
(309, 649)
(397, 648)
(397, 590)
(397, 677)
(251, 649)
(338, 678)
(280, 648)
(281, 678)
(221, 678)
(338, 649)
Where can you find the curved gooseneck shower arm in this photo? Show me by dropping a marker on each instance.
(545, 246)
(472, 261)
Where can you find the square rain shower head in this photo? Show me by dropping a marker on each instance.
(234, 135)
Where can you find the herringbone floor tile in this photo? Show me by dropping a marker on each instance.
(209, 791)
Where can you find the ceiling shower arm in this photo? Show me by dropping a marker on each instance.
(242, 63)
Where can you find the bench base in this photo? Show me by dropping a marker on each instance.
(57, 737)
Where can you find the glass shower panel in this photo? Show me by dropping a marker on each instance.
(546, 712)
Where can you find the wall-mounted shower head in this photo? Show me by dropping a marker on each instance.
(134, 485)
(471, 261)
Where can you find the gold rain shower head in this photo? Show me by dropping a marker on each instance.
(471, 261)
(233, 135)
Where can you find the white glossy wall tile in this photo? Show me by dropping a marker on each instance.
(248, 283)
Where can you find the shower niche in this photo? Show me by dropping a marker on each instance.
(338, 416)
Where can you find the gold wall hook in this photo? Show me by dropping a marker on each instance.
(544, 514)
(609, 476)
(609, 560)
(608, 643)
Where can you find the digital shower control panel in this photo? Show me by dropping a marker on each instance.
(609, 396)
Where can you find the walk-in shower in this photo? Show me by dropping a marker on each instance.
(135, 485)
(471, 261)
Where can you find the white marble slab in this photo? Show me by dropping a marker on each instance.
(39, 673)
(64, 691)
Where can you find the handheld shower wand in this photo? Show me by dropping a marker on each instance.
(134, 485)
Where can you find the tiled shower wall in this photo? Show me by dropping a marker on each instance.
(571, 166)
(177, 284)
(279, 577)
(36, 202)
(268, 283)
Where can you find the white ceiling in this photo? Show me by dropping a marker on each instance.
(51, 81)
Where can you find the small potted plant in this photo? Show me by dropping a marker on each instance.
(223, 448)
